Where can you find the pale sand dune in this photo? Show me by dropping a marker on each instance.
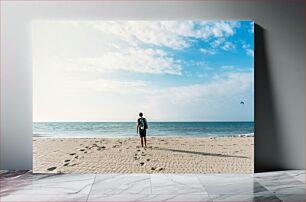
(163, 155)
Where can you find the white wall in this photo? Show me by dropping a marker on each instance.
(279, 68)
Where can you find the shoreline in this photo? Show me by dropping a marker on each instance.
(124, 155)
(148, 136)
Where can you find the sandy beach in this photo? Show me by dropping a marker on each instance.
(163, 155)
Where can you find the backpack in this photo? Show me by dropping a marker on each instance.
(143, 123)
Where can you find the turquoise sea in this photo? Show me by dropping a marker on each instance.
(128, 129)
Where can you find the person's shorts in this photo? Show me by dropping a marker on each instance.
(142, 133)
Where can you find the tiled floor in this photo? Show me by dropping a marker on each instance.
(272, 186)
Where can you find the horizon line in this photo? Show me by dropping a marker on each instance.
(129, 121)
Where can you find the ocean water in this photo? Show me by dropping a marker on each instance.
(128, 129)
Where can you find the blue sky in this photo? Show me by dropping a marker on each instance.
(170, 70)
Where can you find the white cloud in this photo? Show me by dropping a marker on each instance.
(113, 86)
(207, 51)
(140, 60)
(237, 69)
(251, 30)
(171, 34)
(217, 42)
(221, 28)
(202, 100)
(223, 44)
(221, 86)
(228, 67)
(228, 46)
(248, 50)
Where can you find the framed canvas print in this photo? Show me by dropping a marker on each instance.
(143, 96)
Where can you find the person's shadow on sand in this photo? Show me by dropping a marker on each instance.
(199, 153)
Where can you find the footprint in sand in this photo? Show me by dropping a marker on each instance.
(142, 163)
(136, 157)
(138, 149)
(67, 160)
(66, 164)
(51, 169)
(76, 157)
(157, 168)
(72, 154)
(82, 149)
(148, 159)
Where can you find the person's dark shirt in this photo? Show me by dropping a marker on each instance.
(144, 123)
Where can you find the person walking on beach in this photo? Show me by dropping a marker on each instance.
(142, 126)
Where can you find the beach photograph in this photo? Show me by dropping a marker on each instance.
(143, 96)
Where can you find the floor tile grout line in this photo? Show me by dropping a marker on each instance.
(271, 192)
(209, 197)
(91, 187)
